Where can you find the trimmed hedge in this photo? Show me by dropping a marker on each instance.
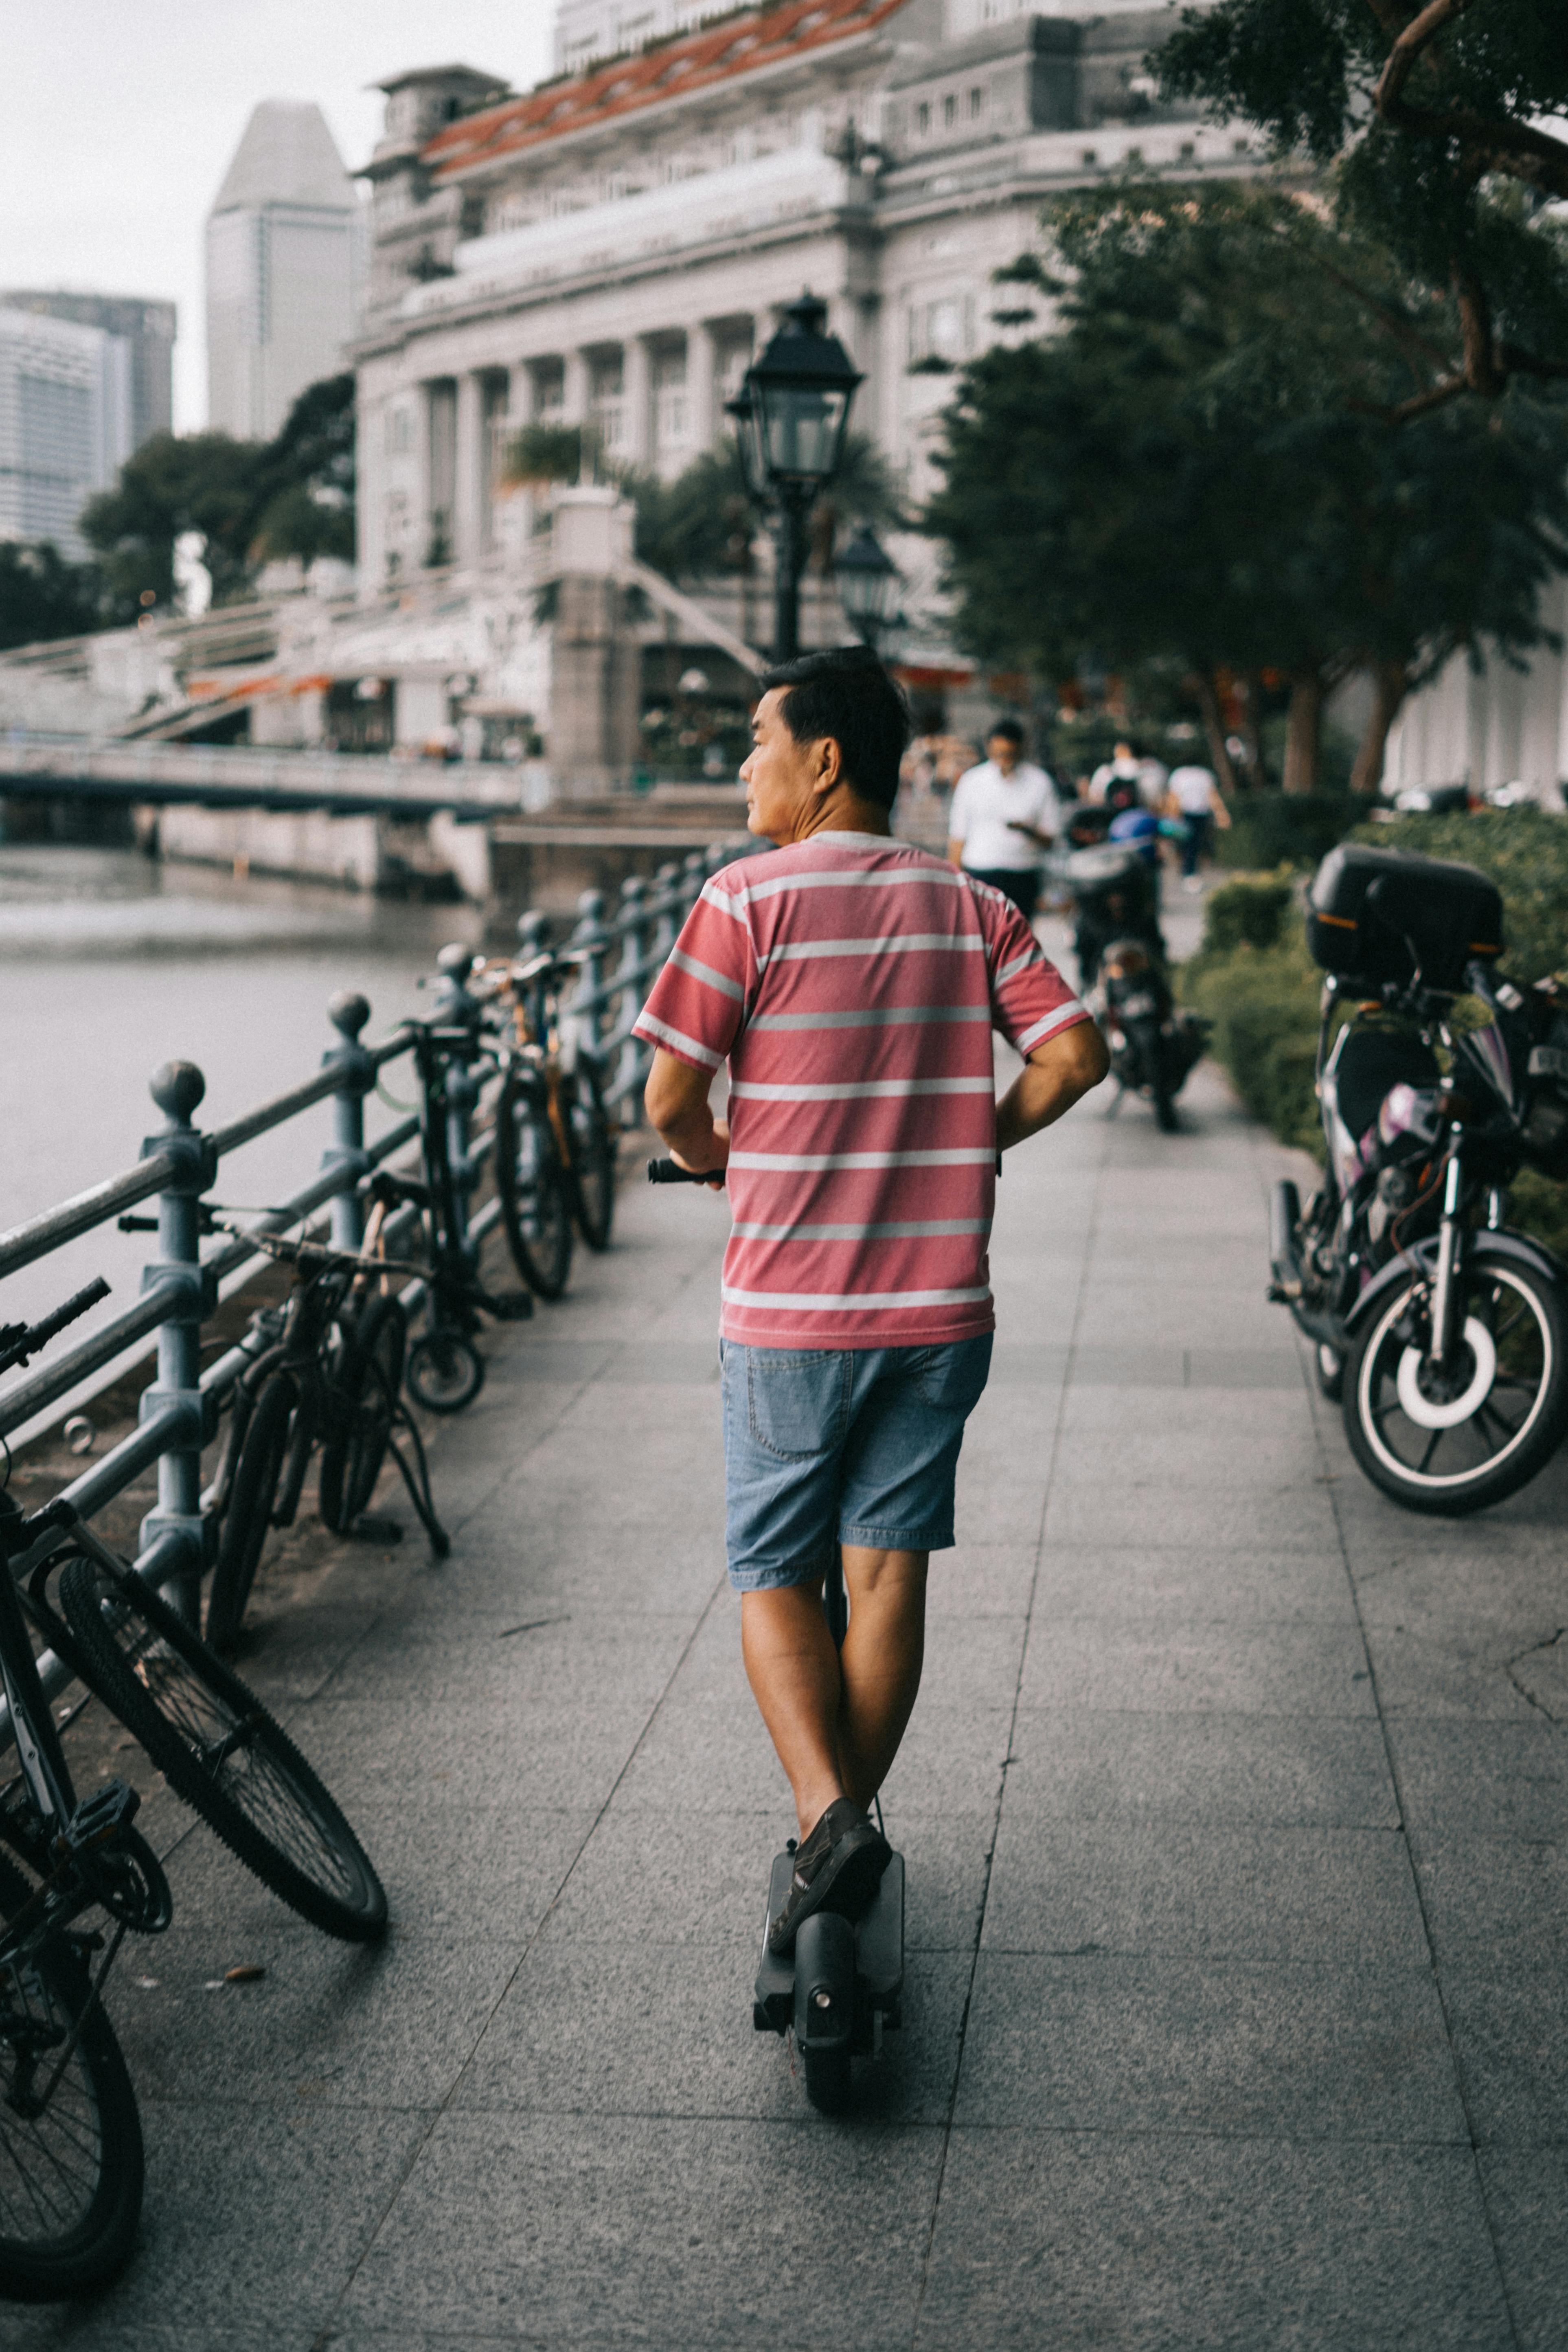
(1254, 980)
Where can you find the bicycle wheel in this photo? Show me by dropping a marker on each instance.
(362, 1400)
(592, 1156)
(535, 1197)
(445, 1372)
(250, 1512)
(219, 1749)
(71, 2177)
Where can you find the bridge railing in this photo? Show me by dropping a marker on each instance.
(179, 1410)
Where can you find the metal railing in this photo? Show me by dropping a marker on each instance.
(620, 956)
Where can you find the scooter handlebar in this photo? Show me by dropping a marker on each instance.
(667, 1171)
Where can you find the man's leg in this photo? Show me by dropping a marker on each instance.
(837, 1727)
(884, 1651)
(792, 1664)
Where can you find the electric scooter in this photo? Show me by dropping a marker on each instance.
(840, 1989)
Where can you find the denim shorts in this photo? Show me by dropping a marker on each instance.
(856, 1446)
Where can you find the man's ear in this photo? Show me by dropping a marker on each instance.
(830, 766)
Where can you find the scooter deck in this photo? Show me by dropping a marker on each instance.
(879, 1959)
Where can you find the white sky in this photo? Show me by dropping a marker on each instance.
(120, 117)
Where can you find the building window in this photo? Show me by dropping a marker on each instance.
(977, 104)
(671, 408)
(922, 119)
(949, 111)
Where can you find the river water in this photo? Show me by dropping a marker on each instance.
(111, 964)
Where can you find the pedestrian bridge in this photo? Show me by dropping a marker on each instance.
(236, 776)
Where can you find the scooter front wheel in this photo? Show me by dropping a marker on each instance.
(1453, 1441)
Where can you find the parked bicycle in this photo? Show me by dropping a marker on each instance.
(554, 1144)
(326, 1373)
(70, 2145)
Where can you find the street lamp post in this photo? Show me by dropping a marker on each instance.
(793, 410)
(868, 584)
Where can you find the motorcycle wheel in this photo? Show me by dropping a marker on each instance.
(1329, 1366)
(1482, 1430)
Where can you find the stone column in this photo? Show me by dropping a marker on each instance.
(472, 471)
(520, 403)
(574, 389)
(636, 380)
(702, 390)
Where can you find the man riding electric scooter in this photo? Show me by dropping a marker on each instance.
(852, 983)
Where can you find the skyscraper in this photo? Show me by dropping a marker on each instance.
(282, 241)
(147, 327)
(65, 423)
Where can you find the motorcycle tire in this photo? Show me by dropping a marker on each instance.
(1329, 1370)
(1418, 1446)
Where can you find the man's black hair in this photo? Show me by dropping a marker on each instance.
(1009, 729)
(845, 692)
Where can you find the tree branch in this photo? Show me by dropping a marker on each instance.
(1496, 144)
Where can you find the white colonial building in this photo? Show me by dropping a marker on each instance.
(617, 244)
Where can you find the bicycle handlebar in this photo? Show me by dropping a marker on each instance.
(666, 1172)
(20, 1340)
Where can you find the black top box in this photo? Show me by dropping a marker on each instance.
(1381, 915)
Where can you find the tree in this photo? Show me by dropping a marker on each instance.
(702, 522)
(251, 502)
(1434, 116)
(1198, 466)
(42, 596)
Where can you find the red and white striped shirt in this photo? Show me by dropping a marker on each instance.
(853, 982)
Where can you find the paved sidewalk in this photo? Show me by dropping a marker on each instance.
(1233, 1808)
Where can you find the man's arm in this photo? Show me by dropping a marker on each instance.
(1057, 1073)
(675, 1100)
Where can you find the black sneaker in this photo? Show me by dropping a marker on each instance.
(838, 1868)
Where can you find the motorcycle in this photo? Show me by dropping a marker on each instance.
(1153, 1046)
(1440, 1331)
(1114, 896)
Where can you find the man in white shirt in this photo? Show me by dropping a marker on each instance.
(1003, 813)
(1194, 796)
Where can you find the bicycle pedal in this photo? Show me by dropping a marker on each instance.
(369, 1527)
(101, 1816)
(511, 1305)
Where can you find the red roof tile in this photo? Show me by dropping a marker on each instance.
(698, 60)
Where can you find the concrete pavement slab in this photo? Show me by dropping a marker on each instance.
(1242, 1893)
(1150, 2244)
(1102, 2044)
(1221, 1768)
(1508, 1777)
(1155, 1666)
(1190, 1585)
(559, 2229)
(1527, 2206)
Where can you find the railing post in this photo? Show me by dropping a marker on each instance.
(177, 1087)
(694, 873)
(348, 1014)
(532, 940)
(634, 978)
(590, 939)
(667, 909)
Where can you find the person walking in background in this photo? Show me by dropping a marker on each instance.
(1003, 813)
(1116, 782)
(1193, 795)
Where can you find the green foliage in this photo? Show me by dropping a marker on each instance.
(1443, 154)
(42, 596)
(699, 524)
(545, 453)
(1263, 1002)
(249, 500)
(1286, 828)
(1525, 851)
(1251, 910)
(1197, 466)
